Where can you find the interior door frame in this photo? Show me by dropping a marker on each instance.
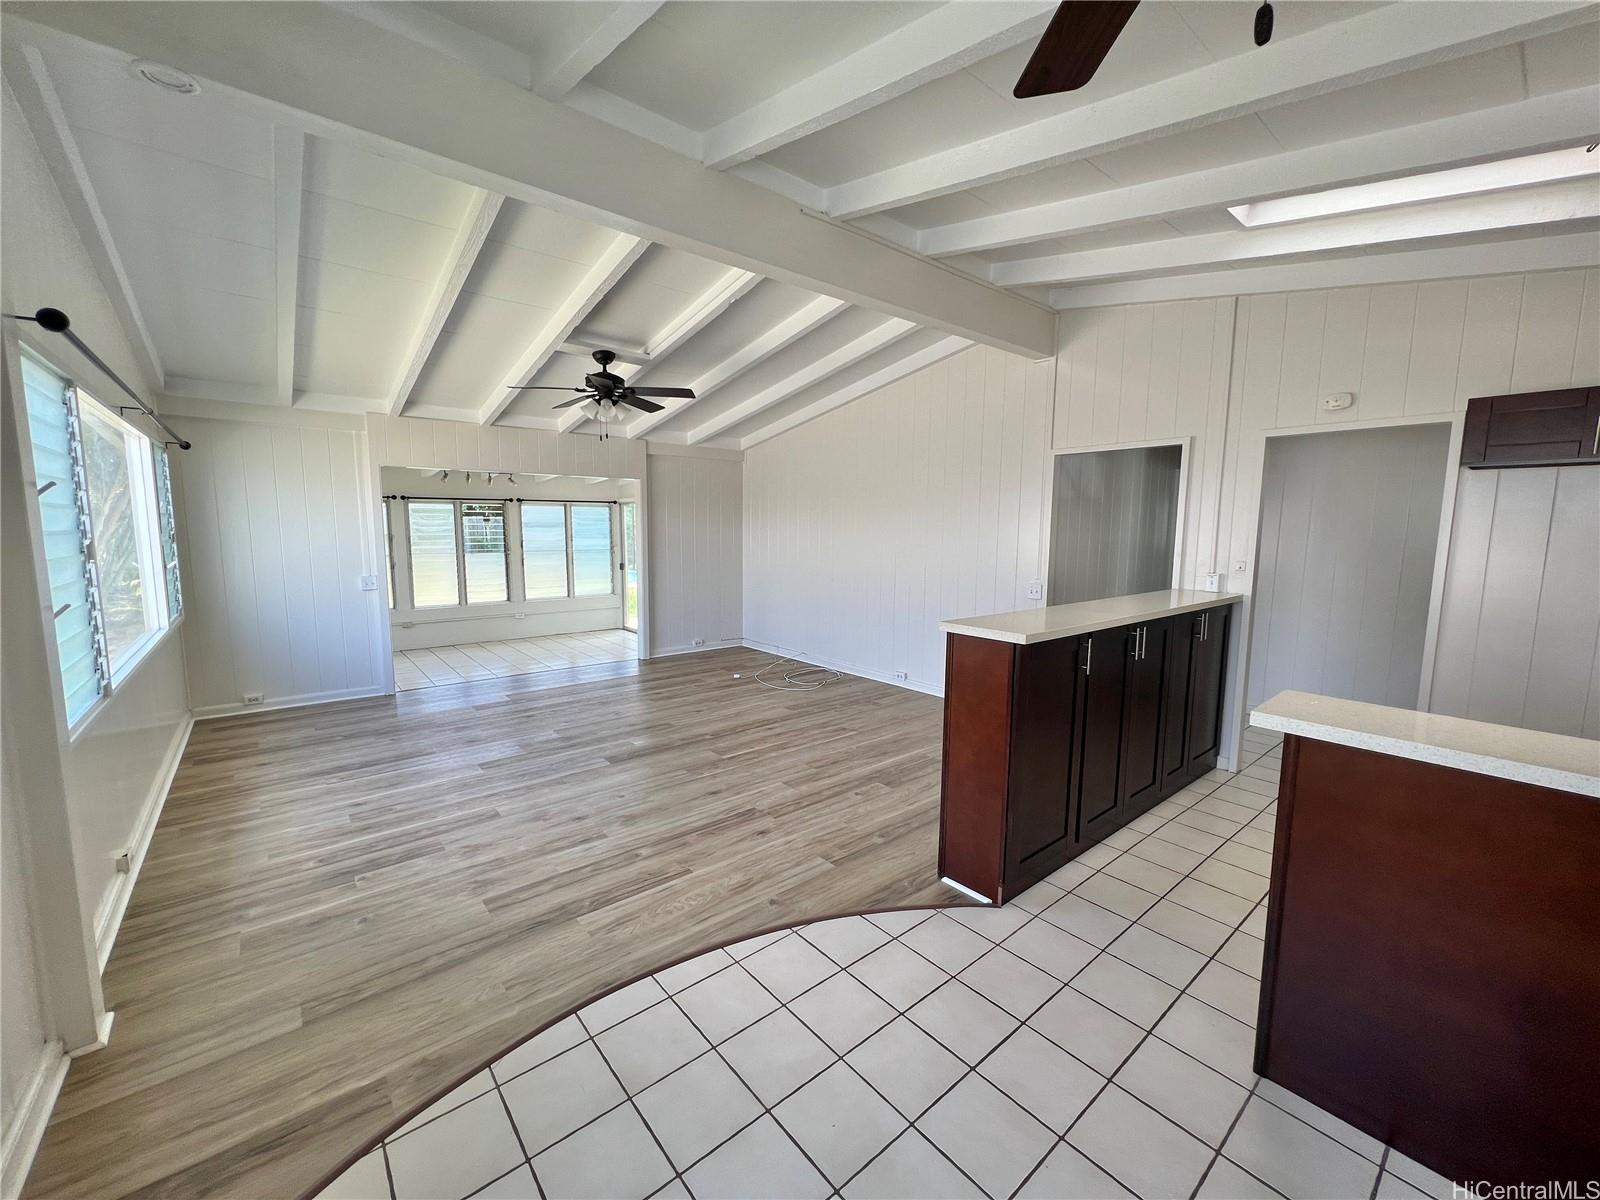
(1235, 714)
(623, 557)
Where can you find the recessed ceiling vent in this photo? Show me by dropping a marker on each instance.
(168, 79)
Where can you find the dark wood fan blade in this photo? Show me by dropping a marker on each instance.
(1077, 41)
(643, 405)
(541, 387)
(574, 400)
(681, 393)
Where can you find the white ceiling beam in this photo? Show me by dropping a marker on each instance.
(564, 66)
(757, 350)
(853, 351)
(1575, 200)
(881, 378)
(947, 39)
(381, 92)
(427, 28)
(623, 250)
(1527, 127)
(36, 94)
(1561, 252)
(584, 347)
(288, 183)
(1374, 45)
(704, 309)
(468, 242)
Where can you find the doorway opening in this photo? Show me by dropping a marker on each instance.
(494, 573)
(1345, 561)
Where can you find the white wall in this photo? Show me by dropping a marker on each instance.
(1409, 352)
(23, 1032)
(275, 538)
(115, 763)
(696, 550)
(925, 500)
(1519, 630)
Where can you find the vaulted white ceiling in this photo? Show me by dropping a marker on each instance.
(278, 246)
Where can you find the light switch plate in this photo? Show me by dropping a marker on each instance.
(1213, 583)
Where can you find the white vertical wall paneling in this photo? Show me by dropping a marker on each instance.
(922, 501)
(696, 517)
(273, 555)
(1407, 352)
(1349, 523)
(1520, 623)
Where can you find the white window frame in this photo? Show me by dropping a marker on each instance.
(141, 466)
(461, 600)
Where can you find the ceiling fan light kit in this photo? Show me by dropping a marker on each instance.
(602, 394)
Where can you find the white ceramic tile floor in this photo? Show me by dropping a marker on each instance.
(1053, 1048)
(515, 656)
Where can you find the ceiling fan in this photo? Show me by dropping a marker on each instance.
(1079, 37)
(603, 394)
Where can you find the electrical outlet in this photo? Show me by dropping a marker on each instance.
(1213, 582)
(252, 697)
(369, 583)
(899, 674)
(1035, 590)
(1240, 567)
(698, 642)
(124, 863)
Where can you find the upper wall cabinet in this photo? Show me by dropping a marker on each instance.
(1534, 429)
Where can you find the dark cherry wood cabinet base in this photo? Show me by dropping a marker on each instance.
(1432, 970)
(1050, 747)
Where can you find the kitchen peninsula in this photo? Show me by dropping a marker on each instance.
(1432, 966)
(1064, 723)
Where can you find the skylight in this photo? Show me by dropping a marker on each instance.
(1507, 173)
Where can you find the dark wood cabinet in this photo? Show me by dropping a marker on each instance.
(1050, 747)
(1104, 687)
(1208, 650)
(1143, 713)
(1532, 429)
(1039, 830)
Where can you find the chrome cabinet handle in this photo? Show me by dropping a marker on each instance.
(1088, 656)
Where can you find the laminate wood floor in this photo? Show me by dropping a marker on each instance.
(516, 656)
(345, 907)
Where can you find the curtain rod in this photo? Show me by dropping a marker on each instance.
(54, 320)
(497, 499)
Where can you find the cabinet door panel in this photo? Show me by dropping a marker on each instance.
(1205, 705)
(1143, 698)
(1532, 428)
(1039, 836)
(1182, 632)
(1104, 667)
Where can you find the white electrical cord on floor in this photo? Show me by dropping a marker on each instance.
(805, 679)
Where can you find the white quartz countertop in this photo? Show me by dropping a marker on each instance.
(1549, 760)
(1030, 625)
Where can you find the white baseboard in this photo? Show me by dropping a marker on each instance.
(25, 1130)
(672, 651)
(109, 919)
(912, 685)
(209, 712)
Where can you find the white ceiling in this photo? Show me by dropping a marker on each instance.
(276, 265)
